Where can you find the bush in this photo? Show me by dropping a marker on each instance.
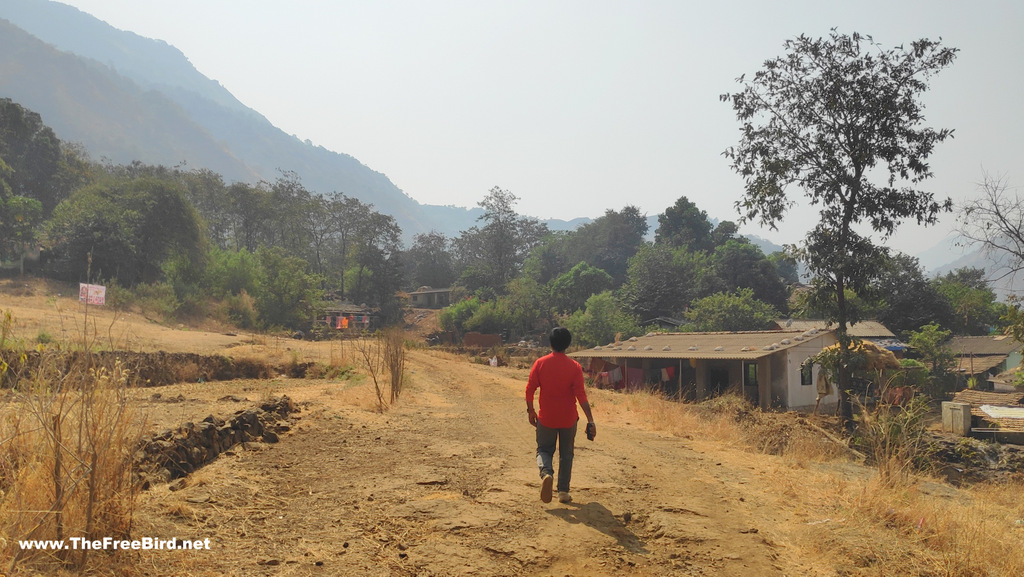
(240, 309)
(454, 317)
(600, 322)
(894, 437)
(231, 272)
(157, 297)
(488, 318)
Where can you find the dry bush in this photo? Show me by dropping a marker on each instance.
(383, 357)
(66, 444)
(394, 359)
(187, 372)
(893, 436)
(371, 352)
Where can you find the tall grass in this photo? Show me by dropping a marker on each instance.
(970, 532)
(67, 438)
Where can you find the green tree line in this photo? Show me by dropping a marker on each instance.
(269, 254)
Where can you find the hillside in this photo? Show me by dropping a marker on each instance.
(86, 102)
(125, 98)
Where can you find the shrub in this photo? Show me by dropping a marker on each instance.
(157, 297)
(454, 317)
(241, 310)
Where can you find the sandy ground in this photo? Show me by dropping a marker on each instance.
(445, 483)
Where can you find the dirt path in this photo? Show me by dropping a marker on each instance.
(445, 484)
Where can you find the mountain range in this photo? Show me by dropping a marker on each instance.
(124, 98)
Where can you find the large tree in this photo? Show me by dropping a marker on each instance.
(610, 241)
(493, 254)
(663, 281)
(430, 260)
(739, 264)
(130, 227)
(683, 224)
(907, 299)
(841, 118)
(973, 301)
(32, 152)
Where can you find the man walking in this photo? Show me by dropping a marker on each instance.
(560, 380)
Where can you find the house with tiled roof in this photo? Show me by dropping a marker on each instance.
(767, 367)
(984, 357)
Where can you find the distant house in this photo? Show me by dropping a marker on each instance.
(430, 298)
(982, 358)
(873, 331)
(1006, 381)
(766, 367)
(664, 323)
(347, 317)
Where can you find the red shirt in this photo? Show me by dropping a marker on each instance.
(560, 380)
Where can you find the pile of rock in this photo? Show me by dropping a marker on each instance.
(177, 452)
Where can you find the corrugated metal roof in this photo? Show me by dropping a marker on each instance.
(988, 345)
(738, 345)
(862, 329)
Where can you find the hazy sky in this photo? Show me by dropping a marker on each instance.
(576, 106)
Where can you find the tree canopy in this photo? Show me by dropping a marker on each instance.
(738, 311)
(841, 118)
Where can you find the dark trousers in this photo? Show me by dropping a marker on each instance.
(546, 440)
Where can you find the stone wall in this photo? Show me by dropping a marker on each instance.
(177, 452)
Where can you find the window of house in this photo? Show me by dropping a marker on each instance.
(750, 374)
(807, 374)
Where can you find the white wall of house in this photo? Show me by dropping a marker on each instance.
(802, 397)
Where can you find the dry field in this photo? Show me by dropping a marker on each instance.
(444, 483)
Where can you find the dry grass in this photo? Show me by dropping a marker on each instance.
(731, 420)
(65, 464)
(859, 521)
(922, 528)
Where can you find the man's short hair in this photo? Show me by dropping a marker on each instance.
(560, 339)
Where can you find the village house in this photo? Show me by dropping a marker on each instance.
(767, 367)
(430, 298)
(872, 331)
(982, 358)
(347, 317)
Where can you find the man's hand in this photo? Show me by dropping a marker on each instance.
(532, 416)
(591, 431)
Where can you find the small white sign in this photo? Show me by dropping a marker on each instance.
(92, 294)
